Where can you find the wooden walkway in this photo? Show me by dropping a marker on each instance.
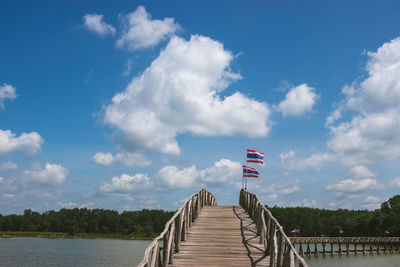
(221, 236)
(201, 233)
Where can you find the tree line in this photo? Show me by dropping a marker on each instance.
(384, 221)
(145, 223)
(149, 223)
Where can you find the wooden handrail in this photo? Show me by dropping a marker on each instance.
(176, 231)
(276, 243)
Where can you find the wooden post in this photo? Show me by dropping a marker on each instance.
(268, 234)
(263, 228)
(171, 243)
(323, 248)
(332, 251)
(315, 249)
(281, 249)
(166, 248)
(178, 232)
(273, 247)
(301, 251)
(154, 256)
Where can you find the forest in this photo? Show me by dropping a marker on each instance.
(316, 222)
(148, 223)
(140, 224)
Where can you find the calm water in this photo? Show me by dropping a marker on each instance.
(109, 252)
(359, 260)
(382, 260)
(70, 252)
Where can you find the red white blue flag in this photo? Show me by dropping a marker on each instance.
(255, 156)
(250, 172)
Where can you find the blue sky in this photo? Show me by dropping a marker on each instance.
(137, 104)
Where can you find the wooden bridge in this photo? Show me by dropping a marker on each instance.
(203, 234)
(314, 246)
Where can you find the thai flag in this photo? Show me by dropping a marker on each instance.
(255, 156)
(250, 172)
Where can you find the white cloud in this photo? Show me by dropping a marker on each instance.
(223, 172)
(6, 92)
(8, 166)
(368, 138)
(360, 172)
(95, 23)
(289, 161)
(395, 182)
(371, 202)
(127, 67)
(40, 186)
(126, 184)
(47, 174)
(128, 159)
(179, 93)
(105, 159)
(140, 31)
(170, 177)
(351, 186)
(298, 100)
(278, 188)
(26, 143)
(372, 133)
(72, 205)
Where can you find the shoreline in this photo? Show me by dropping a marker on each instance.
(10, 234)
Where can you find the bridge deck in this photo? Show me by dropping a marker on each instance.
(221, 236)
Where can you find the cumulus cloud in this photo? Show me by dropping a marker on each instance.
(140, 31)
(6, 92)
(279, 188)
(351, 186)
(8, 166)
(170, 177)
(40, 186)
(289, 161)
(125, 184)
(47, 174)
(371, 135)
(72, 205)
(395, 182)
(371, 202)
(95, 23)
(26, 143)
(360, 172)
(180, 93)
(128, 159)
(298, 100)
(224, 171)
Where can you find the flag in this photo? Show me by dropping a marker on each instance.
(255, 156)
(250, 172)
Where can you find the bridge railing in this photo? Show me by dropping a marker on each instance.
(176, 230)
(276, 243)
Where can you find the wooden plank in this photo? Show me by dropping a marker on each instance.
(221, 236)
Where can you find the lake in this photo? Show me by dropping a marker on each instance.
(21, 251)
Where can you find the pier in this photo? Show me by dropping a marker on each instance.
(201, 233)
